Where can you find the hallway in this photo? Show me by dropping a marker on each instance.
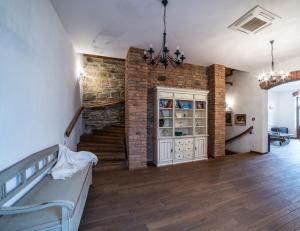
(290, 151)
(246, 191)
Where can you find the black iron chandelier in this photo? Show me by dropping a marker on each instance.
(163, 56)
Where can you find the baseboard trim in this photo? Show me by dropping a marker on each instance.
(261, 153)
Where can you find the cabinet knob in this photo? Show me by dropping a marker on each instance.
(195, 148)
(171, 149)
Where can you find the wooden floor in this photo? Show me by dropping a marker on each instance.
(240, 192)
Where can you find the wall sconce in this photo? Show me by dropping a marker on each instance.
(229, 103)
(81, 76)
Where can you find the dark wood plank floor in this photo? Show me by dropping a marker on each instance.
(241, 192)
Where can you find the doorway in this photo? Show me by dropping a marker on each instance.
(298, 116)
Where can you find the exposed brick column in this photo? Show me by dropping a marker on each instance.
(136, 109)
(216, 110)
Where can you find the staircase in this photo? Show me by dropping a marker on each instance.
(109, 146)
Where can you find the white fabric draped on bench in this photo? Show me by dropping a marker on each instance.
(70, 162)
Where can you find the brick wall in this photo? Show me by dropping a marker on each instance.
(140, 81)
(136, 110)
(216, 110)
(104, 82)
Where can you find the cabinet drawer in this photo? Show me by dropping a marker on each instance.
(188, 155)
(179, 142)
(179, 156)
(168, 95)
(189, 148)
(189, 142)
(179, 149)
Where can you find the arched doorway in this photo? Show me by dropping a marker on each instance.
(284, 111)
(294, 76)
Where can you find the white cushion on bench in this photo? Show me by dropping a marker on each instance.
(47, 190)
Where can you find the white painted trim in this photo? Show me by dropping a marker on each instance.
(25, 190)
(182, 90)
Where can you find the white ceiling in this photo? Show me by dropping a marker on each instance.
(198, 27)
(287, 87)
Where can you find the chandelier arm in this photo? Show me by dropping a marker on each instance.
(173, 63)
(171, 59)
(157, 56)
(163, 56)
(174, 60)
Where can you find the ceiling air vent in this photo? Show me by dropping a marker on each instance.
(254, 20)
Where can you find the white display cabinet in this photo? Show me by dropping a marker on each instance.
(180, 125)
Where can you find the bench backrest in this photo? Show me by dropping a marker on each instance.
(22, 176)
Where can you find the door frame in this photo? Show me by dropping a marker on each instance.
(298, 116)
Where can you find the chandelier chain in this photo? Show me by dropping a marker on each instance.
(163, 56)
(272, 54)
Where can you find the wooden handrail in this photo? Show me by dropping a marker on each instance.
(239, 135)
(73, 122)
(103, 105)
(90, 106)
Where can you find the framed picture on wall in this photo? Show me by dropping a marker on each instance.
(228, 118)
(240, 119)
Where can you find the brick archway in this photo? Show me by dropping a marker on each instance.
(294, 76)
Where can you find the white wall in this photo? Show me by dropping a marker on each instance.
(272, 115)
(39, 91)
(247, 98)
(282, 110)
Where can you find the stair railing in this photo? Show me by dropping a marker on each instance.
(73, 122)
(249, 130)
(95, 106)
(103, 105)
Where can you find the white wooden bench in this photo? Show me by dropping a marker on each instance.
(31, 200)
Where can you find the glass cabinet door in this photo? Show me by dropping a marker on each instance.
(165, 118)
(200, 118)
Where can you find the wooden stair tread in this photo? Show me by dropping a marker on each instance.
(108, 145)
(110, 165)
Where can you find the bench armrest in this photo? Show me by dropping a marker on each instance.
(35, 207)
